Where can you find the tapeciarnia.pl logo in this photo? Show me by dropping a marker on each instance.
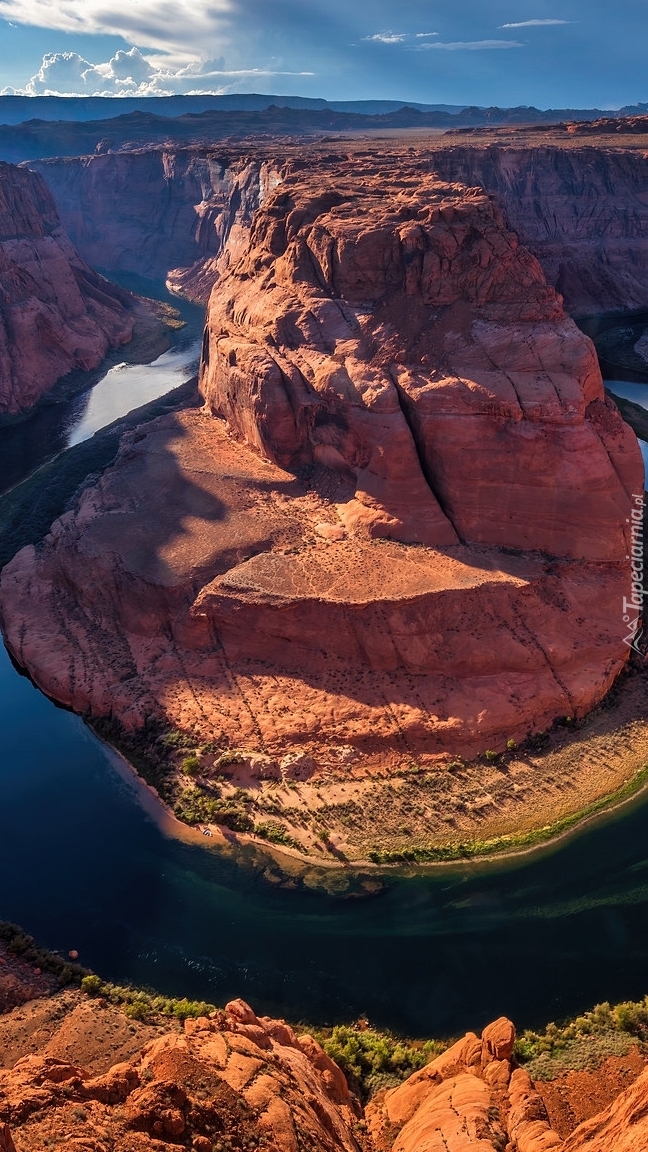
(633, 608)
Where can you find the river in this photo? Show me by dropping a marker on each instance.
(82, 865)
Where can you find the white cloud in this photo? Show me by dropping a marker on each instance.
(535, 23)
(188, 28)
(387, 37)
(132, 74)
(472, 45)
(398, 37)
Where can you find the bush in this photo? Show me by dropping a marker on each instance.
(586, 1040)
(191, 765)
(372, 1060)
(275, 833)
(91, 985)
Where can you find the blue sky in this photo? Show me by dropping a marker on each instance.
(563, 53)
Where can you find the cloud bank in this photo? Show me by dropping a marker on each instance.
(472, 45)
(178, 27)
(132, 74)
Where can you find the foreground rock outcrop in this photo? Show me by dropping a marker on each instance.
(56, 314)
(411, 535)
(238, 1081)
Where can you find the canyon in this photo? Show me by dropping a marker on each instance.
(56, 313)
(581, 209)
(342, 565)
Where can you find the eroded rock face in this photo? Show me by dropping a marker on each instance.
(180, 215)
(403, 334)
(233, 1077)
(244, 1081)
(56, 314)
(412, 536)
(582, 211)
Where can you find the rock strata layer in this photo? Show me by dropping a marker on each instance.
(180, 215)
(401, 525)
(56, 314)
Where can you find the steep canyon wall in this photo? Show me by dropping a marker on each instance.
(56, 313)
(581, 210)
(157, 210)
(399, 524)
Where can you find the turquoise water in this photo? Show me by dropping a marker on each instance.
(83, 866)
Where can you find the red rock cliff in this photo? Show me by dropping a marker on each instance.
(161, 213)
(582, 211)
(414, 537)
(56, 314)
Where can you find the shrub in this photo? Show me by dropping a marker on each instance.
(191, 765)
(372, 1060)
(275, 833)
(91, 985)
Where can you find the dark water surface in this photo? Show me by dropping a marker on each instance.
(83, 866)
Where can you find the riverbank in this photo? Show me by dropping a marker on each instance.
(154, 323)
(495, 807)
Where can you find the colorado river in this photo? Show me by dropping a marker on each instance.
(83, 866)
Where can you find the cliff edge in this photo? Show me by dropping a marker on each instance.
(56, 314)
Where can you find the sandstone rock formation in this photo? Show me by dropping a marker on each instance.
(56, 314)
(238, 1081)
(581, 210)
(413, 538)
(235, 1078)
(176, 214)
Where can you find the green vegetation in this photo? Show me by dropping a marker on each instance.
(372, 1060)
(585, 1041)
(199, 806)
(20, 944)
(513, 841)
(191, 765)
(140, 1005)
(276, 834)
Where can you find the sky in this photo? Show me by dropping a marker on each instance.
(549, 53)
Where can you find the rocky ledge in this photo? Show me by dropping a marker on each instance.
(233, 1080)
(398, 531)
